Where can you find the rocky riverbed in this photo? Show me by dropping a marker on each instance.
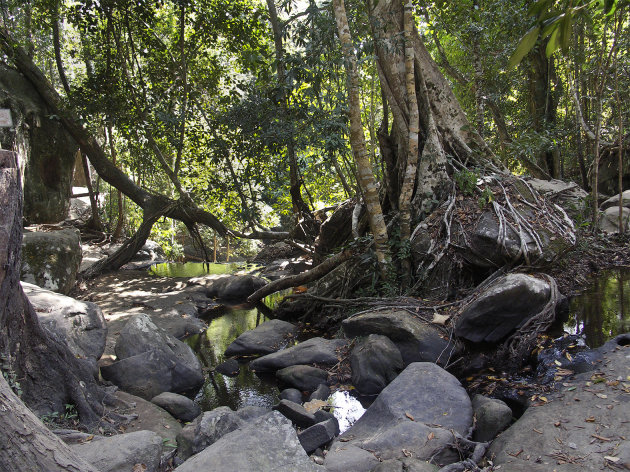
(419, 416)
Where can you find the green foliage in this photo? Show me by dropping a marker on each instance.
(486, 197)
(466, 181)
(11, 378)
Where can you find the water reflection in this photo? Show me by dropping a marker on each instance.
(346, 408)
(195, 269)
(602, 311)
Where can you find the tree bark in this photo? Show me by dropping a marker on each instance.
(357, 141)
(409, 179)
(300, 279)
(26, 444)
(50, 376)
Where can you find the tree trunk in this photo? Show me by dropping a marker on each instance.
(50, 376)
(357, 142)
(409, 179)
(26, 444)
(444, 128)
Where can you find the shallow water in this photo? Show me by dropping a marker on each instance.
(247, 388)
(602, 311)
(346, 408)
(195, 269)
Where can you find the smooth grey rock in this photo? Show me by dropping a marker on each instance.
(502, 308)
(492, 416)
(269, 444)
(613, 202)
(417, 341)
(249, 413)
(150, 417)
(152, 361)
(321, 393)
(266, 338)
(405, 465)
(375, 362)
(609, 220)
(314, 351)
(423, 402)
(568, 195)
(291, 394)
(151, 373)
(605, 402)
(345, 457)
(51, 259)
(318, 435)
(181, 407)
(323, 415)
(80, 325)
(230, 368)
(296, 413)
(206, 430)
(119, 453)
(303, 377)
(228, 287)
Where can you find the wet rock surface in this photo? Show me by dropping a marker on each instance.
(269, 337)
(228, 287)
(302, 377)
(314, 351)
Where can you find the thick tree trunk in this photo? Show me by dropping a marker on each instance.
(409, 179)
(357, 141)
(50, 376)
(444, 128)
(26, 444)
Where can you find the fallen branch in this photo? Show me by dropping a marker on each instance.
(303, 278)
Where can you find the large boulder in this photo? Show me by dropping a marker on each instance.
(502, 308)
(45, 147)
(492, 416)
(268, 444)
(141, 450)
(375, 362)
(415, 414)
(51, 259)
(152, 361)
(609, 220)
(206, 430)
(266, 338)
(314, 351)
(581, 426)
(568, 195)
(416, 340)
(614, 201)
(228, 287)
(181, 407)
(80, 325)
(303, 377)
(145, 415)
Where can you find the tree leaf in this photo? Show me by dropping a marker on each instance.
(524, 46)
(554, 42)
